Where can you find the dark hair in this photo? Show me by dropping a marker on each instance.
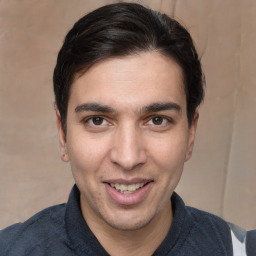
(124, 29)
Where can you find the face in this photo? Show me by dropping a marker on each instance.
(127, 138)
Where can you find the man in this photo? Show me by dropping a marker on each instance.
(127, 83)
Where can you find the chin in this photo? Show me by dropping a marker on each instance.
(128, 226)
(130, 223)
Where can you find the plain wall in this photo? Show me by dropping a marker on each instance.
(219, 178)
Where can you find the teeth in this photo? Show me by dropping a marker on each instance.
(127, 189)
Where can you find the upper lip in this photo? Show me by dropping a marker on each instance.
(127, 181)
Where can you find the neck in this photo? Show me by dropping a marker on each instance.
(141, 242)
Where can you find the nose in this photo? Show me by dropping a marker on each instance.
(128, 149)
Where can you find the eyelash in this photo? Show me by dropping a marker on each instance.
(87, 120)
(162, 118)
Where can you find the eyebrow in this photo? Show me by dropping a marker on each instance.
(161, 106)
(153, 107)
(95, 107)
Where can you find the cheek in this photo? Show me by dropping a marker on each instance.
(86, 154)
(170, 152)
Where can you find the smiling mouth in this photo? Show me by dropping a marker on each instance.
(132, 192)
(127, 189)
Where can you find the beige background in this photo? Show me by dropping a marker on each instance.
(220, 178)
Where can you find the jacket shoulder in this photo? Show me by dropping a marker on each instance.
(208, 220)
(40, 230)
(210, 231)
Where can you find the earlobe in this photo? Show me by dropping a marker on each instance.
(192, 135)
(62, 139)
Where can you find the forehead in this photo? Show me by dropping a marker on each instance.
(131, 80)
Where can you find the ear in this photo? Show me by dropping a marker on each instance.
(62, 139)
(192, 135)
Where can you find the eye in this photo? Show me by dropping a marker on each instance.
(96, 121)
(158, 121)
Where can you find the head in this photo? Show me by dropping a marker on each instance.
(127, 83)
(121, 30)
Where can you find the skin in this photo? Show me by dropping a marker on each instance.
(126, 122)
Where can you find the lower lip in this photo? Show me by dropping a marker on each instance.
(128, 199)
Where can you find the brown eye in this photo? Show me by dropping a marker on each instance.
(97, 120)
(158, 120)
(96, 123)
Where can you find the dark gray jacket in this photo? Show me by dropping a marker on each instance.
(61, 231)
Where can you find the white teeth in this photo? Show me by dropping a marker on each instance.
(127, 189)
